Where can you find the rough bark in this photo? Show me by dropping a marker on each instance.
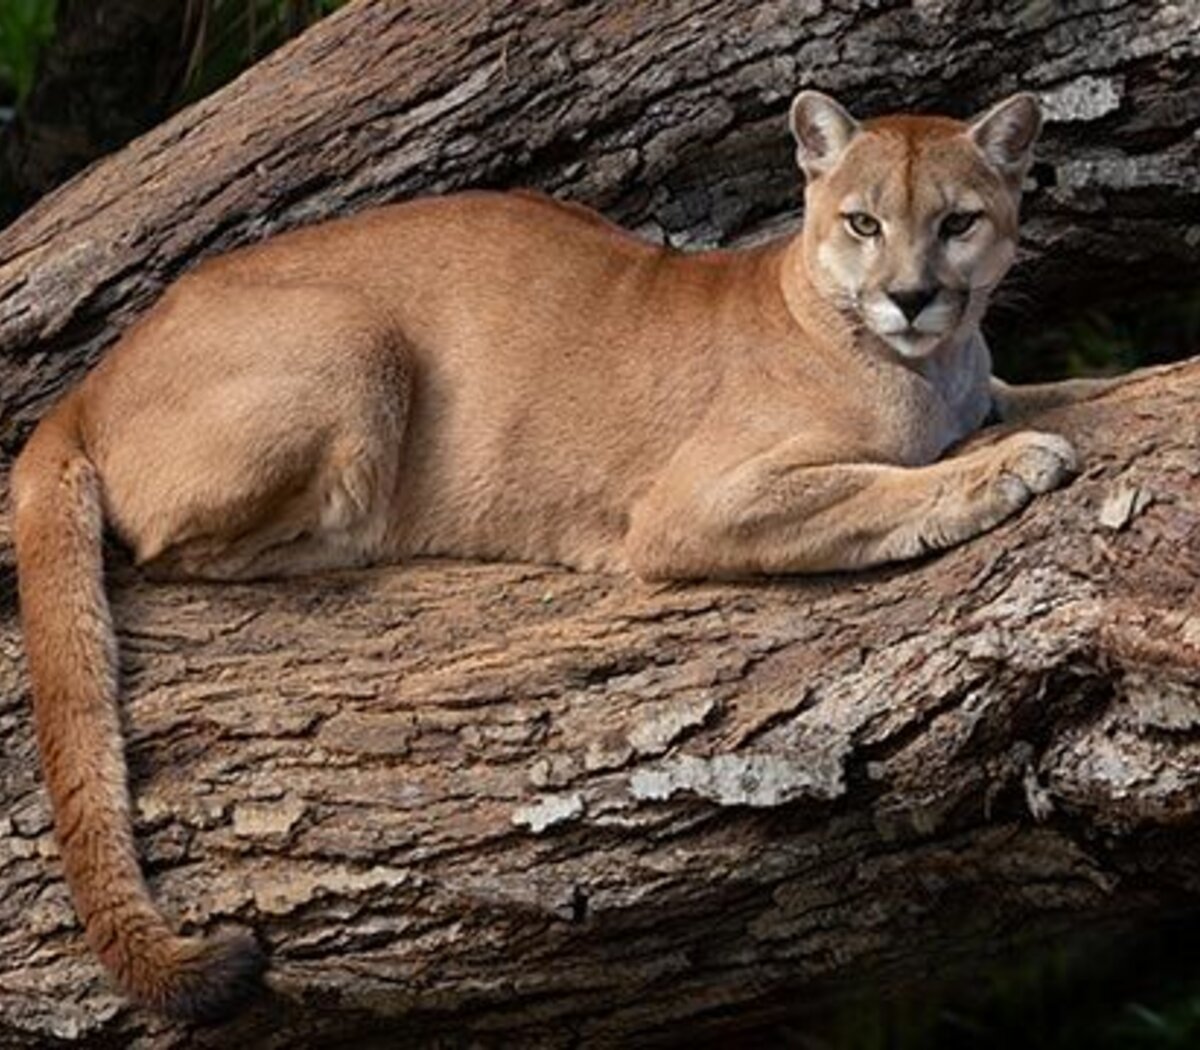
(521, 806)
(530, 807)
(669, 115)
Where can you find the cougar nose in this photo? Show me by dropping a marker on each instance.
(912, 302)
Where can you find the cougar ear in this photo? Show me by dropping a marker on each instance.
(822, 129)
(1005, 134)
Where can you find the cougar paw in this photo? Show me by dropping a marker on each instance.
(1033, 463)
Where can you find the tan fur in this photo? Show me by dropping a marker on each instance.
(502, 376)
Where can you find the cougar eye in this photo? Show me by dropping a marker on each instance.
(959, 222)
(861, 224)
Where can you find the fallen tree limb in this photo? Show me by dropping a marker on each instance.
(533, 807)
(669, 116)
(512, 804)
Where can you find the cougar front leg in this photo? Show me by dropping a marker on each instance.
(775, 513)
(1016, 403)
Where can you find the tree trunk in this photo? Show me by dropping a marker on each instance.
(668, 115)
(519, 806)
(533, 807)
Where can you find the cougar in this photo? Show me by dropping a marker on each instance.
(503, 376)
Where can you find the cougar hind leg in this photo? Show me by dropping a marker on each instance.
(269, 475)
(234, 432)
(330, 514)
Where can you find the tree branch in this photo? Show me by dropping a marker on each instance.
(532, 807)
(669, 116)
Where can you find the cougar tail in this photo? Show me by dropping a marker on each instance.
(72, 658)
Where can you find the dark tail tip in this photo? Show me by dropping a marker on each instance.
(209, 979)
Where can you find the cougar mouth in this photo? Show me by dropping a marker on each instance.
(911, 342)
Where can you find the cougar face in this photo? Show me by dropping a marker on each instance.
(910, 222)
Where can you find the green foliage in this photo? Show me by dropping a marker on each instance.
(230, 35)
(25, 26)
(227, 36)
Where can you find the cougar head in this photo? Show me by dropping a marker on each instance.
(910, 222)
